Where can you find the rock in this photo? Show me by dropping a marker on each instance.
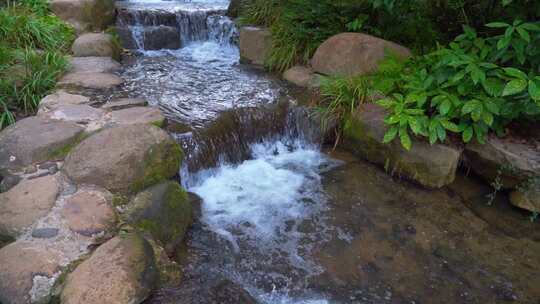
(24, 268)
(350, 54)
(89, 81)
(25, 203)
(161, 37)
(35, 139)
(125, 37)
(81, 114)
(430, 165)
(85, 15)
(164, 211)
(93, 65)
(227, 292)
(255, 44)
(124, 103)
(45, 233)
(122, 270)
(528, 199)
(95, 45)
(513, 162)
(301, 76)
(9, 181)
(124, 159)
(138, 115)
(89, 212)
(61, 98)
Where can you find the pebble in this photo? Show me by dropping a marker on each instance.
(44, 233)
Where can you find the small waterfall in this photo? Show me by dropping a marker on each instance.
(191, 25)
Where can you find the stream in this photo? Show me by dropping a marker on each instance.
(283, 220)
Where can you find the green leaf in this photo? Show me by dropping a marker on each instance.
(487, 117)
(504, 42)
(515, 73)
(390, 134)
(530, 27)
(497, 25)
(467, 134)
(491, 106)
(415, 125)
(515, 86)
(441, 133)
(445, 106)
(448, 125)
(469, 106)
(432, 137)
(493, 86)
(405, 139)
(386, 102)
(524, 34)
(534, 90)
(476, 114)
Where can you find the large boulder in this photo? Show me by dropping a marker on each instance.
(255, 44)
(162, 210)
(95, 45)
(512, 162)
(85, 15)
(61, 98)
(124, 159)
(122, 270)
(350, 54)
(25, 203)
(93, 64)
(26, 272)
(89, 212)
(430, 165)
(35, 139)
(527, 198)
(161, 37)
(89, 81)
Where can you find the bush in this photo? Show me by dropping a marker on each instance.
(32, 44)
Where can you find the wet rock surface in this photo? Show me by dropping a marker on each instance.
(61, 98)
(255, 44)
(125, 158)
(89, 212)
(138, 115)
(94, 45)
(89, 80)
(122, 270)
(161, 37)
(93, 65)
(124, 103)
(301, 76)
(33, 140)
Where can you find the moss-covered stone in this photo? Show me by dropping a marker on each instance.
(163, 211)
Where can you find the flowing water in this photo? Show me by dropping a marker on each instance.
(283, 222)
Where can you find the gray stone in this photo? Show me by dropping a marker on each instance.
(122, 270)
(85, 15)
(527, 198)
(89, 212)
(45, 233)
(124, 103)
(138, 115)
(164, 211)
(161, 37)
(349, 54)
(89, 81)
(301, 76)
(20, 263)
(61, 98)
(255, 43)
(93, 65)
(511, 161)
(124, 158)
(9, 181)
(82, 114)
(25, 203)
(95, 45)
(35, 139)
(432, 166)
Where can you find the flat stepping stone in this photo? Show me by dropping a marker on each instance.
(90, 81)
(35, 140)
(26, 272)
(94, 44)
(138, 115)
(89, 212)
(123, 270)
(82, 114)
(93, 65)
(124, 103)
(124, 158)
(61, 98)
(26, 202)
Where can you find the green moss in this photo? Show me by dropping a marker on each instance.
(119, 200)
(62, 152)
(160, 163)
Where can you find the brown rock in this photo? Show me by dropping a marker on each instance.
(33, 140)
(20, 263)
(350, 54)
(61, 98)
(93, 65)
(90, 81)
(120, 271)
(301, 76)
(124, 158)
(25, 203)
(94, 45)
(528, 199)
(138, 115)
(85, 15)
(255, 44)
(124, 103)
(161, 37)
(89, 212)
(75, 113)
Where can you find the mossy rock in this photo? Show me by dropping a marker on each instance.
(162, 210)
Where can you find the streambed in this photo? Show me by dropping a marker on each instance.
(285, 221)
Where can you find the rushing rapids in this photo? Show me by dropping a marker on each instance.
(282, 222)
